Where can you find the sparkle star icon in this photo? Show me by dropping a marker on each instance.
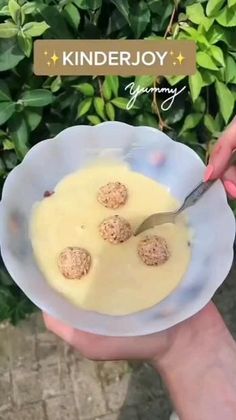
(171, 53)
(49, 63)
(180, 58)
(174, 63)
(54, 58)
(45, 53)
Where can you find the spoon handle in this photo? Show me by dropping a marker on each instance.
(197, 193)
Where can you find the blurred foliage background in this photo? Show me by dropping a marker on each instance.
(33, 108)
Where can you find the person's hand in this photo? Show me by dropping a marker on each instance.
(196, 359)
(220, 158)
(97, 347)
(153, 347)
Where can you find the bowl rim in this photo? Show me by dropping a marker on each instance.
(196, 306)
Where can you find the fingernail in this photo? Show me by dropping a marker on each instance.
(209, 172)
(231, 188)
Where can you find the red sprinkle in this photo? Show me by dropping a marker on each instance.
(48, 193)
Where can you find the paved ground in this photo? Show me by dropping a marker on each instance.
(41, 378)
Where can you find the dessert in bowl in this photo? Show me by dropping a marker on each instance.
(73, 251)
(83, 241)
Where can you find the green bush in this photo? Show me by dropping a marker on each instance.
(33, 108)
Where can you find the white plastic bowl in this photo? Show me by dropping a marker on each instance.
(49, 161)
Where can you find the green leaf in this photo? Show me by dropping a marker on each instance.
(213, 6)
(19, 134)
(164, 18)
(56, 84)
(25, 43)
(35, 28)
(116, 22)
(4, 11)
(15, 11)
(191, 121)
(120, 103)
(209, 122)
(234, 94)
(195, 13)
(113, 83)
(33, 117)
(139, 17)
(205, 61)
(220, 75)
(10, 54)
(8, 30)
(110, 111)
(195, 84)
(227, 17)
(84, 107)
(94, 119)
(199, 105)
(8, 145)
(203, 42)
(2, 168)
(176, 116)
(155, 6)
(218, 55)
(10, 160)
(86, 88)
(144, 81)
(2, 134)
(231, 3)
(88, 4)
(123, 7)
(99, 106)
(174, 80)
(147, 119)
(215, 34)
(194, 34)
(58, 26)
(225, 99)
(106, 90)
(37, 98)
(219, 122)
(207, 23)
(55, 128)
(29, 8)
(230, 70)
(207, 77)
(154, 38)
(6, 111)
(72, 15)
(4, 92)
(190, 138)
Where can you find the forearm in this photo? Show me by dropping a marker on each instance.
(200, 369)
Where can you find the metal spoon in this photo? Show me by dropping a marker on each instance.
(190, 200)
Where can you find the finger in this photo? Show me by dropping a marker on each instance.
(76, 338)
(98, 347)
(221, 154)
(90, 345)
(58, 328)
(218, 162)
(229, 180)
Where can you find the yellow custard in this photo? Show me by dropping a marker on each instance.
(118, 281)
